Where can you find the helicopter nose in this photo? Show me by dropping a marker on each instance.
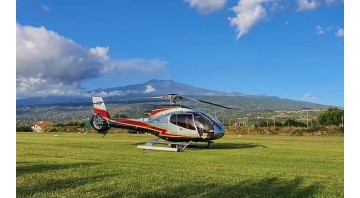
(219, 132)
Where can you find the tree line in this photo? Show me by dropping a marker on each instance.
(332, 116)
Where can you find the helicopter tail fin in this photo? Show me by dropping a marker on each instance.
(99, 107)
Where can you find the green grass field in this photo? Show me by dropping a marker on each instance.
(86, 165)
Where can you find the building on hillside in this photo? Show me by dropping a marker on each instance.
(39, 126)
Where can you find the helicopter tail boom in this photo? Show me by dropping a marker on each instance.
(99, 107)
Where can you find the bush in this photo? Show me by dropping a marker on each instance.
(70, 127)
(23, 128)
(298, 131)
(314, 128)
(332, 116)
(268, 124)
(294, 123)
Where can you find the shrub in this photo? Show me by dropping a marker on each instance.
(294, 123)
(23, 128)
(332, 116)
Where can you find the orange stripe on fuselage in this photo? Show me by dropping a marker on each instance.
(156, 111)
(140, 124)
(163, 132)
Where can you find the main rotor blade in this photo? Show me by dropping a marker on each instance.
(150, 97)
(215, 104)
(203, 101)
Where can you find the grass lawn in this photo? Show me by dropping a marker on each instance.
(86, 165)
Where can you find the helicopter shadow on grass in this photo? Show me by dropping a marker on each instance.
(235, 145)
(216, 145)
(39, 187)
(24, 168)
(220, 146)
(266, 187)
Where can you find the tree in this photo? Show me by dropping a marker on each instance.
(23, 128)
(263, 123)
(269, 123)
(292, 122)
(332, 116)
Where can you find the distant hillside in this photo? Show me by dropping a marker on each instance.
(262, 103)
(163, 87)
(150, 88)
(67, 108)
(51, 100)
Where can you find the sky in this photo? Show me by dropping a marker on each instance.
(290, 49)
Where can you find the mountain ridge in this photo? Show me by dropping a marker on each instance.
(163, 87)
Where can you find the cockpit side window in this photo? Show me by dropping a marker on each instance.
(183, 120)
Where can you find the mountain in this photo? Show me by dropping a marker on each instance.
(160, 87)
(49, 100)
(164, 87)
(68, 108)
(151, 88)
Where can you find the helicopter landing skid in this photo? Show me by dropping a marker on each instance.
(175, 146)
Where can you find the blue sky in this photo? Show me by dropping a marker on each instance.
(291, 49)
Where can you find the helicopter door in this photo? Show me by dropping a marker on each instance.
(183, 124)
(204, 126)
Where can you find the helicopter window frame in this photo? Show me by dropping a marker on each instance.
(186, 122)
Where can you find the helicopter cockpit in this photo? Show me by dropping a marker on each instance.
(206, 125)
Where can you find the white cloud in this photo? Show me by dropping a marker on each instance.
(48, 57)
(149, 89)
(320, 30)
(340, 32)
(136, 66)
(329, 28)
(48, 63)
(207, 6)
(309, 97)
(105, 94)
(307, 4)
(331, 2)
(100, 52)
(303, 5)
(45, 7)
(248, 13)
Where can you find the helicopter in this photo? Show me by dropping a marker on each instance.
(174, 124)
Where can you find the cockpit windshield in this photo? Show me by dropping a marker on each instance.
(203, 124)
(196, 121)
(215, 120)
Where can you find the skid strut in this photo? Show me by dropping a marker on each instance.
(175, 146)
